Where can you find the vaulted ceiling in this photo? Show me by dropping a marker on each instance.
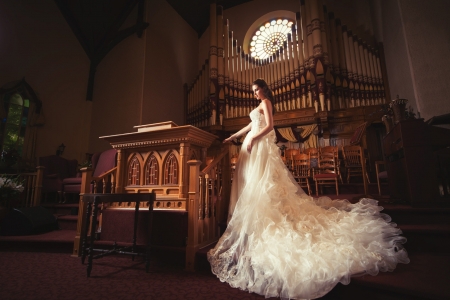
(98, 24)
(196, 12)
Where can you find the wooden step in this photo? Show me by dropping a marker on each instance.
(62, 208)
(67, 222)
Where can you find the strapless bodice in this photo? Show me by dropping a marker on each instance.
(258, 120)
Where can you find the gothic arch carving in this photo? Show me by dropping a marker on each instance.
(171, 169)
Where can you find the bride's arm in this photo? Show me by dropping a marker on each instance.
(239, 133)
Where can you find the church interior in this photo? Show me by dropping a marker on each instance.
(130, 100)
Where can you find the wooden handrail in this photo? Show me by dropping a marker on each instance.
(105, 174)
(215, 162)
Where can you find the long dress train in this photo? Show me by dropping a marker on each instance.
(280, 242)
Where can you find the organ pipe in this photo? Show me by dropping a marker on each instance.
(322, 64)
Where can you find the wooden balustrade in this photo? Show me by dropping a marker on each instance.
(104, 183)
(32, 183)
(208, 202)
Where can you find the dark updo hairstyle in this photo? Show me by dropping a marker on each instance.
(266, 91)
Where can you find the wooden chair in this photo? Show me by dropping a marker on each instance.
(283, 158)
(333, 150)
(93, 202)
(289, 154)
(326, 172)
(380, 174)
(314, 158)
(330, 149)
(302, 170)
(102, 177)
(353, 158)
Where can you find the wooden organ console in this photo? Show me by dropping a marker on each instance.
(417, 158)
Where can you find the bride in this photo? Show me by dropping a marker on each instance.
(280, 242)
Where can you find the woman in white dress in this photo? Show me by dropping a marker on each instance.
(279, 241)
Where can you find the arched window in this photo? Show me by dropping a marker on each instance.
(269, 38)
(20, 116)
(133, 171)
(14, 124)
(151, 171)
(171, 170)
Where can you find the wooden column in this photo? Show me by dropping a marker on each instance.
(220, 66)
(184, 151)
(213, 82)
(86, 176)
(193, 215)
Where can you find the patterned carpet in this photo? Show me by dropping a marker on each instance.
(29, 275)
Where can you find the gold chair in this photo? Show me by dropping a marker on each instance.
(333, 150)
(326, 172)
(353, 158)
(289, 154)
(330, 149)
(302, 170)
(314, 158)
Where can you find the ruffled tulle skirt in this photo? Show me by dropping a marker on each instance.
(280, 242)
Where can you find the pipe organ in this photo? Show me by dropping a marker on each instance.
(321, 69)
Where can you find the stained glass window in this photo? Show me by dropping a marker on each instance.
(14, 124)
(269, 38)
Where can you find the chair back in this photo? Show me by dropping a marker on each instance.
(312, 151)
(289, 154)
(104, 161)
(352, 156)
(330, 149)
(57, 166)
(302, 165)
(314, 156)
(327, 163)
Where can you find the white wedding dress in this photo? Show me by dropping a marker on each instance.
(280, 242)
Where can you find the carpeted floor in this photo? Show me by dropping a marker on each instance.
(29, 275)
(41, 275)
(41, 267)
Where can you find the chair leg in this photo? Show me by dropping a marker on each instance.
(367, 176)
(337, 188)
(377, 171)
(317, 188)
(92, 237)
(309, 188)
(61, 197)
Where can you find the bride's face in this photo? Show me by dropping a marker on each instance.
(258, 92)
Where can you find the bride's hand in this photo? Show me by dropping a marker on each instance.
(228, 140)
(250, 145)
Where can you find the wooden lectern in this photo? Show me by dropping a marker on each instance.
(168, 160)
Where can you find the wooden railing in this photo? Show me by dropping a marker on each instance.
(105, 183)
(32, 183)
(208, 202)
